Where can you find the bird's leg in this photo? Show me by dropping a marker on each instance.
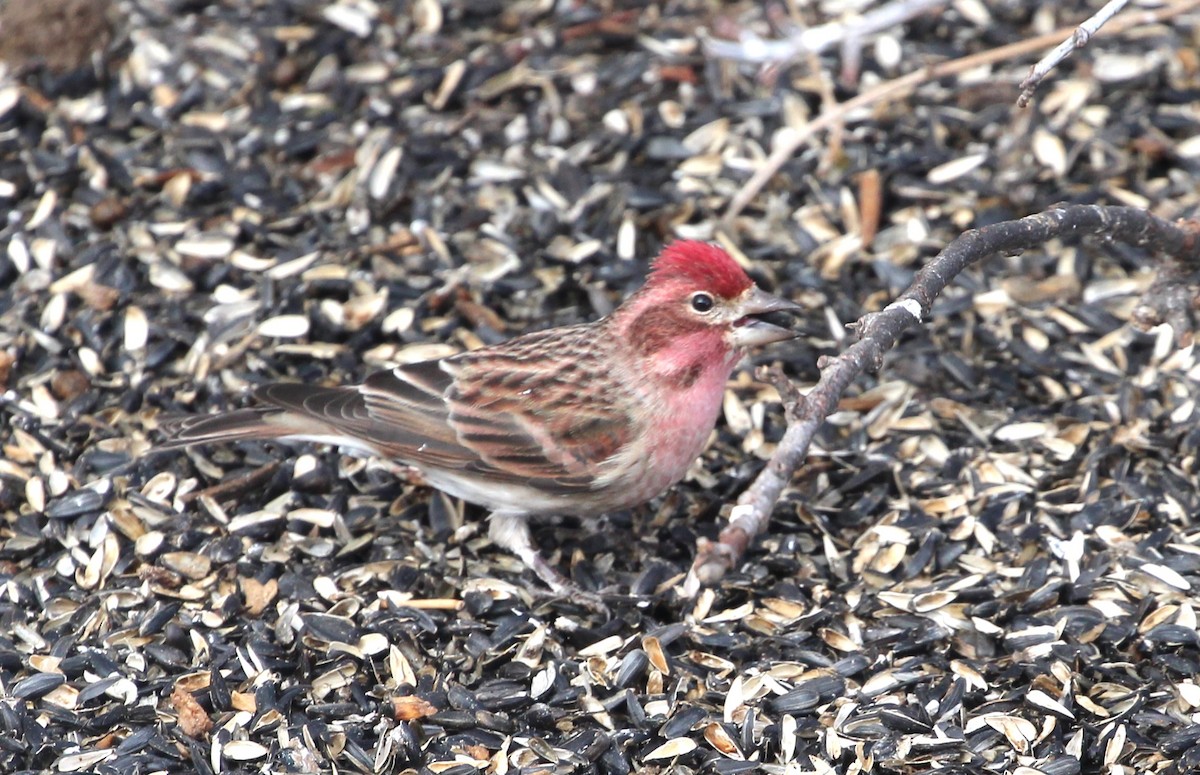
(511, 531)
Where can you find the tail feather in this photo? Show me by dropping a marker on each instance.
(241, 425)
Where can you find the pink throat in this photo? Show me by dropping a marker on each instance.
(691, 357)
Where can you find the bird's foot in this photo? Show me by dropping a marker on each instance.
(511, 531)
(562, 587)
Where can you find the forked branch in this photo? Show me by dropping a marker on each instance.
(878, 332)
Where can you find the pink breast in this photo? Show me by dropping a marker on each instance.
(680, 432)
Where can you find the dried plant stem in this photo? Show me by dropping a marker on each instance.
(814, 40)
(879, 332)
(1079, 38)
(235, 486)
(904, 85)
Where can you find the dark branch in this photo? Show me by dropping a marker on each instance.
(879, 332)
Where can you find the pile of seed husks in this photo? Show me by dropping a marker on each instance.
(989, 563)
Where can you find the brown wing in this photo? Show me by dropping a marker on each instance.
(540, 409)
(537, 410)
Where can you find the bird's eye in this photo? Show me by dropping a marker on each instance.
(702, 302)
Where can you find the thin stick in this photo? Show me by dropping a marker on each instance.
(236, 485)
(1079, 38)
(429, 604)
(814, 40)
(904, 85)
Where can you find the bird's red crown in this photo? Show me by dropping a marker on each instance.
(702, 265)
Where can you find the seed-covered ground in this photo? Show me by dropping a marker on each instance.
(989, 564)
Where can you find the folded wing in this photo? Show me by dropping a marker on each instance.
(514, 416)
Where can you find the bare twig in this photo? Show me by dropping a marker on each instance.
(236, 485)
(814, 40)
(879, 332)
(1079, 38)
(901, 87)
(789, 395)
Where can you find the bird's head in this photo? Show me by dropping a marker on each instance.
(698, 305)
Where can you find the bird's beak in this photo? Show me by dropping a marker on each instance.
(764, 318)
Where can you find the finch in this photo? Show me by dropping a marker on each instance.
(578, 420)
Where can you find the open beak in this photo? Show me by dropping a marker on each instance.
(764, 318)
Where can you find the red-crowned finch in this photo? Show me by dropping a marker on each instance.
(577, 420)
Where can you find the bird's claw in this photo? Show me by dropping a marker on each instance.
(562, 587)
(570, 593)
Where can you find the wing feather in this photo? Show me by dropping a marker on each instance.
(537, 411)
(541, 413)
